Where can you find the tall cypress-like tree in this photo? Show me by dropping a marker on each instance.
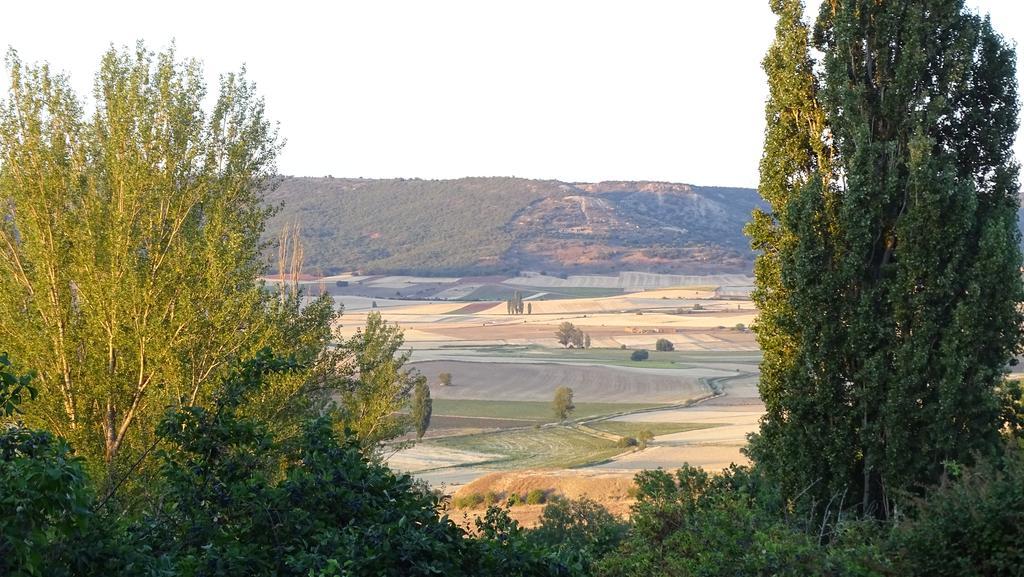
(889, 279)
(422, 407)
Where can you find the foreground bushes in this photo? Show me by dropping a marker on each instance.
(692, 523)
(231, 499)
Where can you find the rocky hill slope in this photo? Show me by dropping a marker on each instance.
(479, 226)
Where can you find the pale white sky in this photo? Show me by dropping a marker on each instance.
(573, 90)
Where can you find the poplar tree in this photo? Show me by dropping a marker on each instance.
(130, 249)
(889, 279)
(422, 407)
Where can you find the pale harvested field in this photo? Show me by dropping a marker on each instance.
(611, 490)
(533, 381)
(455, 337)
(631, 281)
(713, 448)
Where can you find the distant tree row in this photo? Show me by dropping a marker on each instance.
(516, 306)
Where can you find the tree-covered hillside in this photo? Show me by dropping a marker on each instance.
(495, 225)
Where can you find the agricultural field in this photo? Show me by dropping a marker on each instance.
(698, 400)
(543, 448)
(530, 412)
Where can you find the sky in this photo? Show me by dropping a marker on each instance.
(571, 90)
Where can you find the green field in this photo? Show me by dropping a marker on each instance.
(538, 411)
(612, 357)
(630, 429)
(555, 447)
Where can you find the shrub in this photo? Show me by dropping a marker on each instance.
(491, 498)
(740, 327)
(639, 355)
(664, 345)
(579, 532)
(644, 437)
(468, 501)
(625, 442)
(623, 347)
(516, 499)
(971, 525)
(536, 497)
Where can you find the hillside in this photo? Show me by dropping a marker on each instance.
(477, 226)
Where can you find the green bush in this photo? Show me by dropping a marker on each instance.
(972, 525)
(579, 532)
(468, 501)
(625, 442)
(639, 355)
(491, 498)
(664, 345)
(536, 497)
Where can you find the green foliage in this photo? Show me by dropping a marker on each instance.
(536, 497)
(692, 523)
(380, 387)
(562, 403)
(889, 281)
(46, 525)
(579, 532)
(664, 345)
(506, 549)
(13, 388)
(639, 355)
(422, 406)
(130, 248)
(468, 501)
(971, 525)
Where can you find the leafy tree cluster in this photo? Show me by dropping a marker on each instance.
(129, 257)
(738, 523)
(233, 498)
(515, 304)
(664, 345)
(569, 334)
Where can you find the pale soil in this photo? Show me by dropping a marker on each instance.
(631, 281)
(611, 490)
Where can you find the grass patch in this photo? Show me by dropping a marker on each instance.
(631, 429)
(561, 293)
(538, 411)
(555, 447)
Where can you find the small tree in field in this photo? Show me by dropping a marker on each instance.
(445, 379)
(565, 333)
(639, 355)
(664, 345)
(586, 341)
(563, 404)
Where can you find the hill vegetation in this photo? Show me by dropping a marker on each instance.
(479, 226)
